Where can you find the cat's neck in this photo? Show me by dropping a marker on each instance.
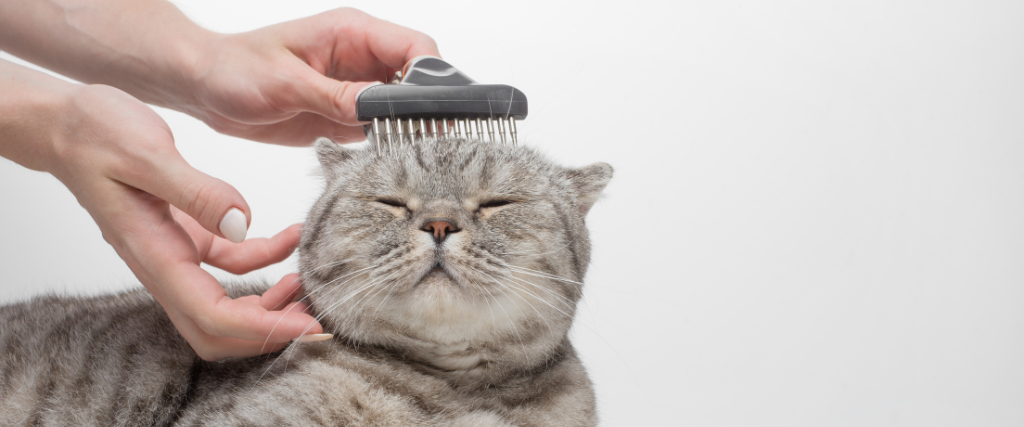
(465, 364)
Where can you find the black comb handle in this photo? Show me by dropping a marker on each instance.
(431, 87)
(431, 91)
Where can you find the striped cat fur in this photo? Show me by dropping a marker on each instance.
(448, 271)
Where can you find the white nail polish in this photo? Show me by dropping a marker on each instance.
(233, 226)
(314, 337)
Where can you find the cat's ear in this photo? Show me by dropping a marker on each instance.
(331, 155)
(587, 182)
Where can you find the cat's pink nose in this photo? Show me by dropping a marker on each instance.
(440, 228)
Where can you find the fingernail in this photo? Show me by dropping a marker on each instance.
(314, 337)
(233, 226)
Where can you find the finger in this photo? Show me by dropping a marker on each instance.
(236, 319)
(249, 299)
(191, 298)
(372, 48)
(202, 239)
(253, 254)
(201, 298)
(330, 98)
(389, 43)
(257, 300)
(395, 45)
(298, 131)
(161, 254)
(211, 348)
(368, 46)
(282, 293)
(299, 306)
(214, 204)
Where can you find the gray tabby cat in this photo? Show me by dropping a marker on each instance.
(448, 272)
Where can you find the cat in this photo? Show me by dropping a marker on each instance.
(448, 271)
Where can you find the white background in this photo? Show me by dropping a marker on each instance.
(816, 217)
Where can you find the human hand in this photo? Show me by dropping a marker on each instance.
(292, 82)
(118, 158)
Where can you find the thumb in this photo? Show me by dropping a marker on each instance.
(333, 99)
(214, 204)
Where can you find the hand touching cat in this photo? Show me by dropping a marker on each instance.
(283, 84)
(118, 158)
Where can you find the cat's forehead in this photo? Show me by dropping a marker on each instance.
(457, 168)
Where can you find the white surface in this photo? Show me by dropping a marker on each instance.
(815, 219)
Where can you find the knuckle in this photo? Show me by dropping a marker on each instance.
(426, 40)
(201, 200)
(135, 166)
(283, 96)
(340, 94)
(207, 325)
(218, 124)
(349, 12)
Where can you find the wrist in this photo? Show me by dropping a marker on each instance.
(181, 86)
(32, 111)
(146, 48)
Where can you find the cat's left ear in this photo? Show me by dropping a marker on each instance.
(331, 155)
(587, 182)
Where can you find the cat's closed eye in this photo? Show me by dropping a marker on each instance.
(392, 202)
(494, 203)
(489, 206)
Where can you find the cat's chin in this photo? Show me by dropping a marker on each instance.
(436, 277)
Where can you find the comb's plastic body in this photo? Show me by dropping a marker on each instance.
(431, 91)
(402, 102)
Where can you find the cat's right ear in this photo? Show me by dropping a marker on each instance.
(331, 155)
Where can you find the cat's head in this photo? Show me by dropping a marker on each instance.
(458, 252)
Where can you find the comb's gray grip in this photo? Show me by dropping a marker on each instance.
(407, 101)
(433, 71)
(431, 87)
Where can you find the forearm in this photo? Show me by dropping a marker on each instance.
(147, 48)
(29, 108)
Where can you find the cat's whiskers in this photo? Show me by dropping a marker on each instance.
(390, 287)
(285, 353)
(385, 300)
(566, 301)
(542, 274)
(371, 283)
(491, 310)
(515, 329)
(569, 303)
(308, 293)
(509, 287)
(559, 298)
(518, 269)
(382, 279)
(527, 254)
(545, 275)
(321, 316)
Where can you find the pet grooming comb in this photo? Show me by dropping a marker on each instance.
(429, 98)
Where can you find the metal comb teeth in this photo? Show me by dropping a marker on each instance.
(430, 100)
(386, 134)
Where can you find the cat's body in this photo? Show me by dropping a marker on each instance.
(448, 271)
